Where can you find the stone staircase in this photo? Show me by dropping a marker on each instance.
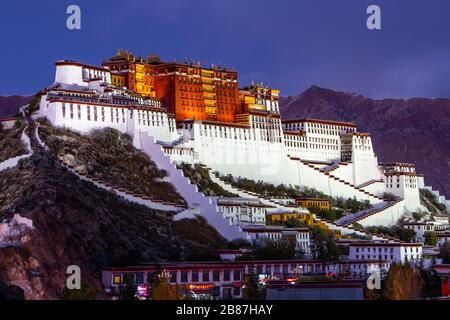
(351, 185)
(126, 194)
(244, 193)
(358, 217)
(334, 166)
(195, 199)
(349, 229)
(344, 229)
(27, 139)
(368, 183)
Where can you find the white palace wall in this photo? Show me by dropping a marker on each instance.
(260, 160)
(365, 163)
(85, 117)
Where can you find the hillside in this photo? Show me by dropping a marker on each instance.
(11, 144)
(412, 130)
(76, 223)
(110, 156)
(9, 105)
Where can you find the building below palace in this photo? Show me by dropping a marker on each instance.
(226, 279)
(317, 290)
(323, 204)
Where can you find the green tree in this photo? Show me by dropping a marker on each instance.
(431, 238)
(34, 104)
(417, 216)
(431, 282)
(17, 124)
(356, 225)
(404, 234)
(403, 282)
(284, 249)
(389, 196)
(294, 223)
(252, 288)
(324, 245)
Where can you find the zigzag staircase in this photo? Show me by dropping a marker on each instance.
(327, 173)
(368, 183)
(189, 191)
(244, 193)
(333, 166)
(344, 229)
(363, 214)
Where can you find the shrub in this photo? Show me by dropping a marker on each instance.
(431, 238)
(389, 196)
(288, 191)
(34, 104)
(200, 176)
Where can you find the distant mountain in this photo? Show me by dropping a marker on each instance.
(405, 130)
(9, 105)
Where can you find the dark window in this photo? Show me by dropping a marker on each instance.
(194, 276)
(226, 275)
(268, 269)
(173, 277)
(150, 276)
(237, 291)
(205, 276)
(184, 276)
(285, 269)
(216, 276)
(139, 277)
(128, 277)
(237, 275)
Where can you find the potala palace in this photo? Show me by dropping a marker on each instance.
(184, 112)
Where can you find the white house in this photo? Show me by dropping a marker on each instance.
(300, 235)
(243, 211)
(390, 251)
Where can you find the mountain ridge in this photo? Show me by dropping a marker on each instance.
(403, 130)
(9, 105)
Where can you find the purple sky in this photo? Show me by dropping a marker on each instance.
(290, 45)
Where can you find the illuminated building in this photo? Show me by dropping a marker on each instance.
(187, 89)
(131, 72)
(323, 204)
(225, 279)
